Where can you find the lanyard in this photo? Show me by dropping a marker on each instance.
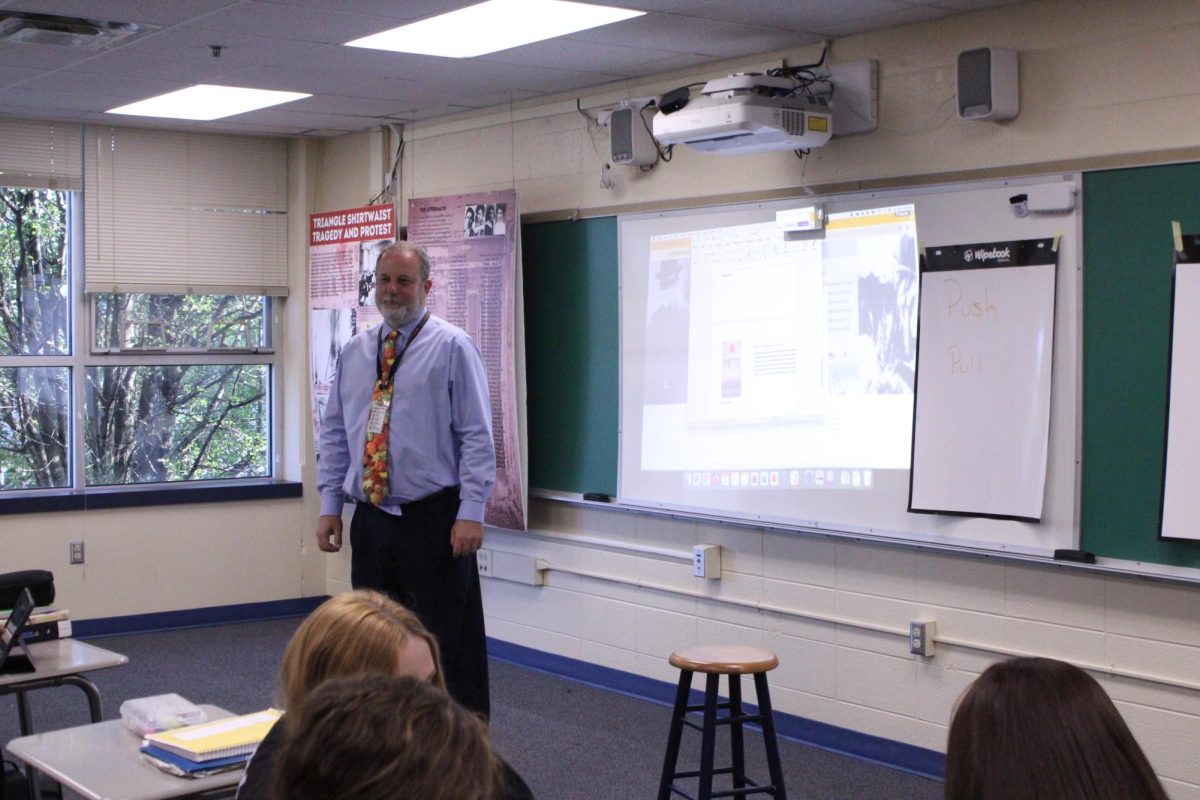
(395, 364)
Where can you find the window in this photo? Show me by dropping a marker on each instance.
(173, 387)
(34, 337)
(140, 277)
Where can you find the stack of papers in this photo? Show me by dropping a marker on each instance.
(44, 624)
(212, 747)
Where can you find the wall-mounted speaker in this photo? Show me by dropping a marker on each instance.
(987, 84)
(629, 140)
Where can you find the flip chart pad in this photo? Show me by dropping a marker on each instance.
(982, 406)
(1181, 483)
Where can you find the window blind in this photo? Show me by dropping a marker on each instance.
(40, 155)
(170, 212)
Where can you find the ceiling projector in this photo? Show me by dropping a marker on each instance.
(744, 114)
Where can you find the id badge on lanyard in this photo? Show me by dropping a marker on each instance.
(378, 415)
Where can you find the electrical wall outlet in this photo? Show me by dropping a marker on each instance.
(706, 561)
(76, 552)
(483, 558)
(920, 637)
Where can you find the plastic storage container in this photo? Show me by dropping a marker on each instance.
(161, 712)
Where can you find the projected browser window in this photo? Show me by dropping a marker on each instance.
(777, 363)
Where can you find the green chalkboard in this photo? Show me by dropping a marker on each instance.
(571, 354)
(1128, 262)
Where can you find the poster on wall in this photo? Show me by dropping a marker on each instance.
(343, 247)
(472, 241)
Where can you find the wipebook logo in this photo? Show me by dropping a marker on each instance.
(995, 254)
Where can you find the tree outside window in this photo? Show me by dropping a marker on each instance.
(175, 388)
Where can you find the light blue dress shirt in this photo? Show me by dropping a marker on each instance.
(440, 428)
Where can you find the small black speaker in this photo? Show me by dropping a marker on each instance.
(987, 84)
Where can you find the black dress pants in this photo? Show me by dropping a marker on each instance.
(409, 558)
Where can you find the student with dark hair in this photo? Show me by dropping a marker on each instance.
(380, 737)
(1040, 729)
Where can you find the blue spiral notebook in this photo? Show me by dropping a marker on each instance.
(194, 768)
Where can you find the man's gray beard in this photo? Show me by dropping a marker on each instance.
(399, 315)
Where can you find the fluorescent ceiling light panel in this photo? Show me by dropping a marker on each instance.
(207, 102)
(493, 26)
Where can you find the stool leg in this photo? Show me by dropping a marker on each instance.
(735, 733)
(676, 733)
(768, 729)
(708, 736)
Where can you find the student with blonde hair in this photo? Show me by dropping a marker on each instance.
(1040, 729)
(379, 737)
(357, 633)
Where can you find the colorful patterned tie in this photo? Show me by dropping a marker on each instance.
(375, 459)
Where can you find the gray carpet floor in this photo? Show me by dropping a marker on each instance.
(570, 741)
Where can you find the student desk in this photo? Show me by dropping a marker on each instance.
(59, 662)
(101, 762)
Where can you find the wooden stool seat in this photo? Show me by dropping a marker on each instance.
(733, 661)
(725, 659)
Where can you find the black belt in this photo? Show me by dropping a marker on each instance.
(441, 495)
(438, 496)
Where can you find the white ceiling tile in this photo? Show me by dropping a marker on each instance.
(40, 56)
(188, 42)
(966, 5)
(891, 20)
(579, 55)
(294, 23)
(394, 11)
(356, 106)
(674, 63)
(677, 33)
(103, 83)
(330, 85)
(357, 63)
(62, 101)
(303, 120)
(11, 75)
(446, 109)
(796, 15)
(125, 63)
(652, 5)
(147, 12)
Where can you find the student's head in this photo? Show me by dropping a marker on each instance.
(1040, 729)
(378, 737)
(355, 633)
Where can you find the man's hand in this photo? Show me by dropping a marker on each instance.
(329, 532)
(466, 537)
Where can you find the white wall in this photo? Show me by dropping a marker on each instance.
(1100, 79)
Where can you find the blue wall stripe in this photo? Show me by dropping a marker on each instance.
(195, 617)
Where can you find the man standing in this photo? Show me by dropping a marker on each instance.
(407, 433)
